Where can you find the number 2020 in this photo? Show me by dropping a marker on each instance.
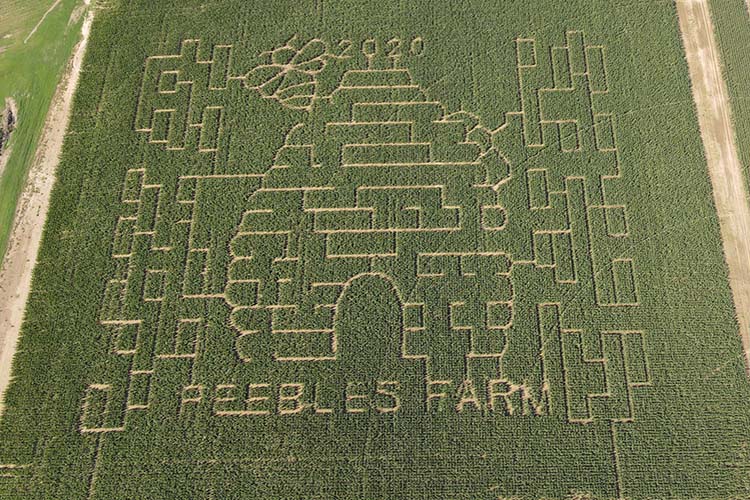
(393, 48)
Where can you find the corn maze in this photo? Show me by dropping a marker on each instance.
(318, 251)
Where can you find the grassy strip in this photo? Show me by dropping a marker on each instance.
(30, 73)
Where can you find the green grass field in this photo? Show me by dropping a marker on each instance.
(30, 69)
(380, 250)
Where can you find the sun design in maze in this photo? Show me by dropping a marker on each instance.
(420, 258)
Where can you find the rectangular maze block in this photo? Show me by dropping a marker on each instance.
(351, 219)
(561, 68)
(564, 258)
(161, 126)
(498, 314)
(525, 52)
(636, 361)
(124, 336)
(95, 408)
(131, 190)
(370, 132)
(221, 58)
(623, 273)
(139, 389)
(123, 237)
(100, 412)
(596, 70)
(538, 189)
(494, 218)
(574, 43)
(210, 126)
(604, 132)
(393, 153)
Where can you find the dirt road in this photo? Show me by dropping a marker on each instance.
(23, 245)
(724, 167)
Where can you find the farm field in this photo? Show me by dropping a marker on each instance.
(381, 249)
(31, 63)
(39, 78)
(732, 23)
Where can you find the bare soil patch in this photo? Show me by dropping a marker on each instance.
(8, 122)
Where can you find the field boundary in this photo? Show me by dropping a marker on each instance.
(724, 167)
(31, 213)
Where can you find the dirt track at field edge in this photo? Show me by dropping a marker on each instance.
(724, 167)
(31, 212)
